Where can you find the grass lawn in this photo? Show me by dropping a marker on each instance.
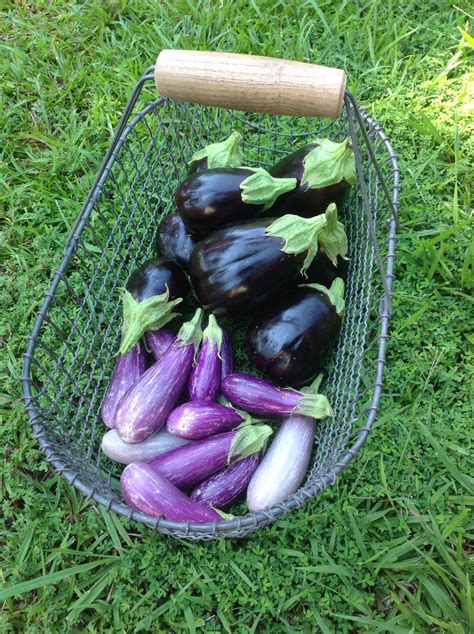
(387, 548)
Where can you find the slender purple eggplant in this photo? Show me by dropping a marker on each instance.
(200, 419)
(227, 486)
(227, 153)
(174, 241)
(227, 356)
(159, 341)
(257, 396)
(147, 491)
(206, 375)
(284, 465)
(146, 406)
(162, 442)
(128, 370)
(187, 466)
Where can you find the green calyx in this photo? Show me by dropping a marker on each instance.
(223, 514)
(329, 163)
(305, 234)
(248, 440)
(213, 333)
(335, 293)
(191, 332)
(261, 188)
(227, 153)
(139, 317)
(313, 404)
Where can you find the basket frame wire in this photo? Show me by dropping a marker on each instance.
(243, 525)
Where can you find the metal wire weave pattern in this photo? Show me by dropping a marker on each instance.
(70, 354)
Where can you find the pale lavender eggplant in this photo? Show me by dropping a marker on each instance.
(159, 341)
(128, 370)
(258, 396)
(187, 466)
(149, 492)
(227, 357)
(227, 486)
(147, 404)
(200, 419)
(162, 442)
(206, 375)
(284, 466)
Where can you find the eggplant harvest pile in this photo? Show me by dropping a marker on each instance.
(192, 431)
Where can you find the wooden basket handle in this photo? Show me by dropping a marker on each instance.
(251, 83)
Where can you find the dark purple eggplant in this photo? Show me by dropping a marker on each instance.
(292, 339)
(159, 341)
(187, 466)
(174, 241)
(206, 375)
(128, 370)
(146, 406)
(150, 295)
(216, 197)
(323, 271)
(227, 356)
(200, 419)
(325, 172)
(227, 486)
(240, 267)
(227, 153)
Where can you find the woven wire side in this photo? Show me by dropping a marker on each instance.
(72, 351)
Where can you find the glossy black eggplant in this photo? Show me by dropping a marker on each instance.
(325, 172)
(174, 241)
(213, 198)
(227, 153)
(154, 277)
(291, 341)
(323, 271)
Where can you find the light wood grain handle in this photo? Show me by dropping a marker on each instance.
(251, 83)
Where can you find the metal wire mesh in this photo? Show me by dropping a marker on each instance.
(72, 350)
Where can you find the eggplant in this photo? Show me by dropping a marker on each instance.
(128, 370)
(159, 341)
(227, 486)
(227, 356)
(325, 171)
(258, 396)
(162, 442)
(174, 241)
(206, 375)
(146, 406)
(292, 339)
(150, 295)
(149, 492)
(216, 197)
(284, 465)
(240, 267)
(200, 419)
(227, 153)
(187, 466)
(323, 271)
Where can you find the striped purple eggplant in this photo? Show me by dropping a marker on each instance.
(206, 375)
(227, 486)
(148, 403)
(125, 452)
(200, 419)
(159, 341)
(128, 370)
(227, 356)
(187, 466)
(147, 491)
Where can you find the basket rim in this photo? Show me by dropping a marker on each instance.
(240, 525)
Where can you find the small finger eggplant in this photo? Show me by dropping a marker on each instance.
(325, 171)
(200, 419)
(147, 404)
(162, 442)
(227, 153)
(159, 341)
(240, 267)
(174, 241)
(147, 491)
(128, 370)
(216, 197)
(227, 355)
(206, 375)
(292, 339)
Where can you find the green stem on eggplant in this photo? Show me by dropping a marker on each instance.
(227, 153)
(335, 293)
(329, 163)
(261, 188)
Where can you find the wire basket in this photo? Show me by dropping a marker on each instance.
(71, 352)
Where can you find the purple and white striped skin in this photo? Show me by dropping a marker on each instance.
(128, 370)
(255, 395)
(187, 466)
(147, 491)
(206, 375)
(227, 356)
(200, 419)
(159, 341)
(147, 404)
(227, 486)
(162, 442)
(284, 465)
